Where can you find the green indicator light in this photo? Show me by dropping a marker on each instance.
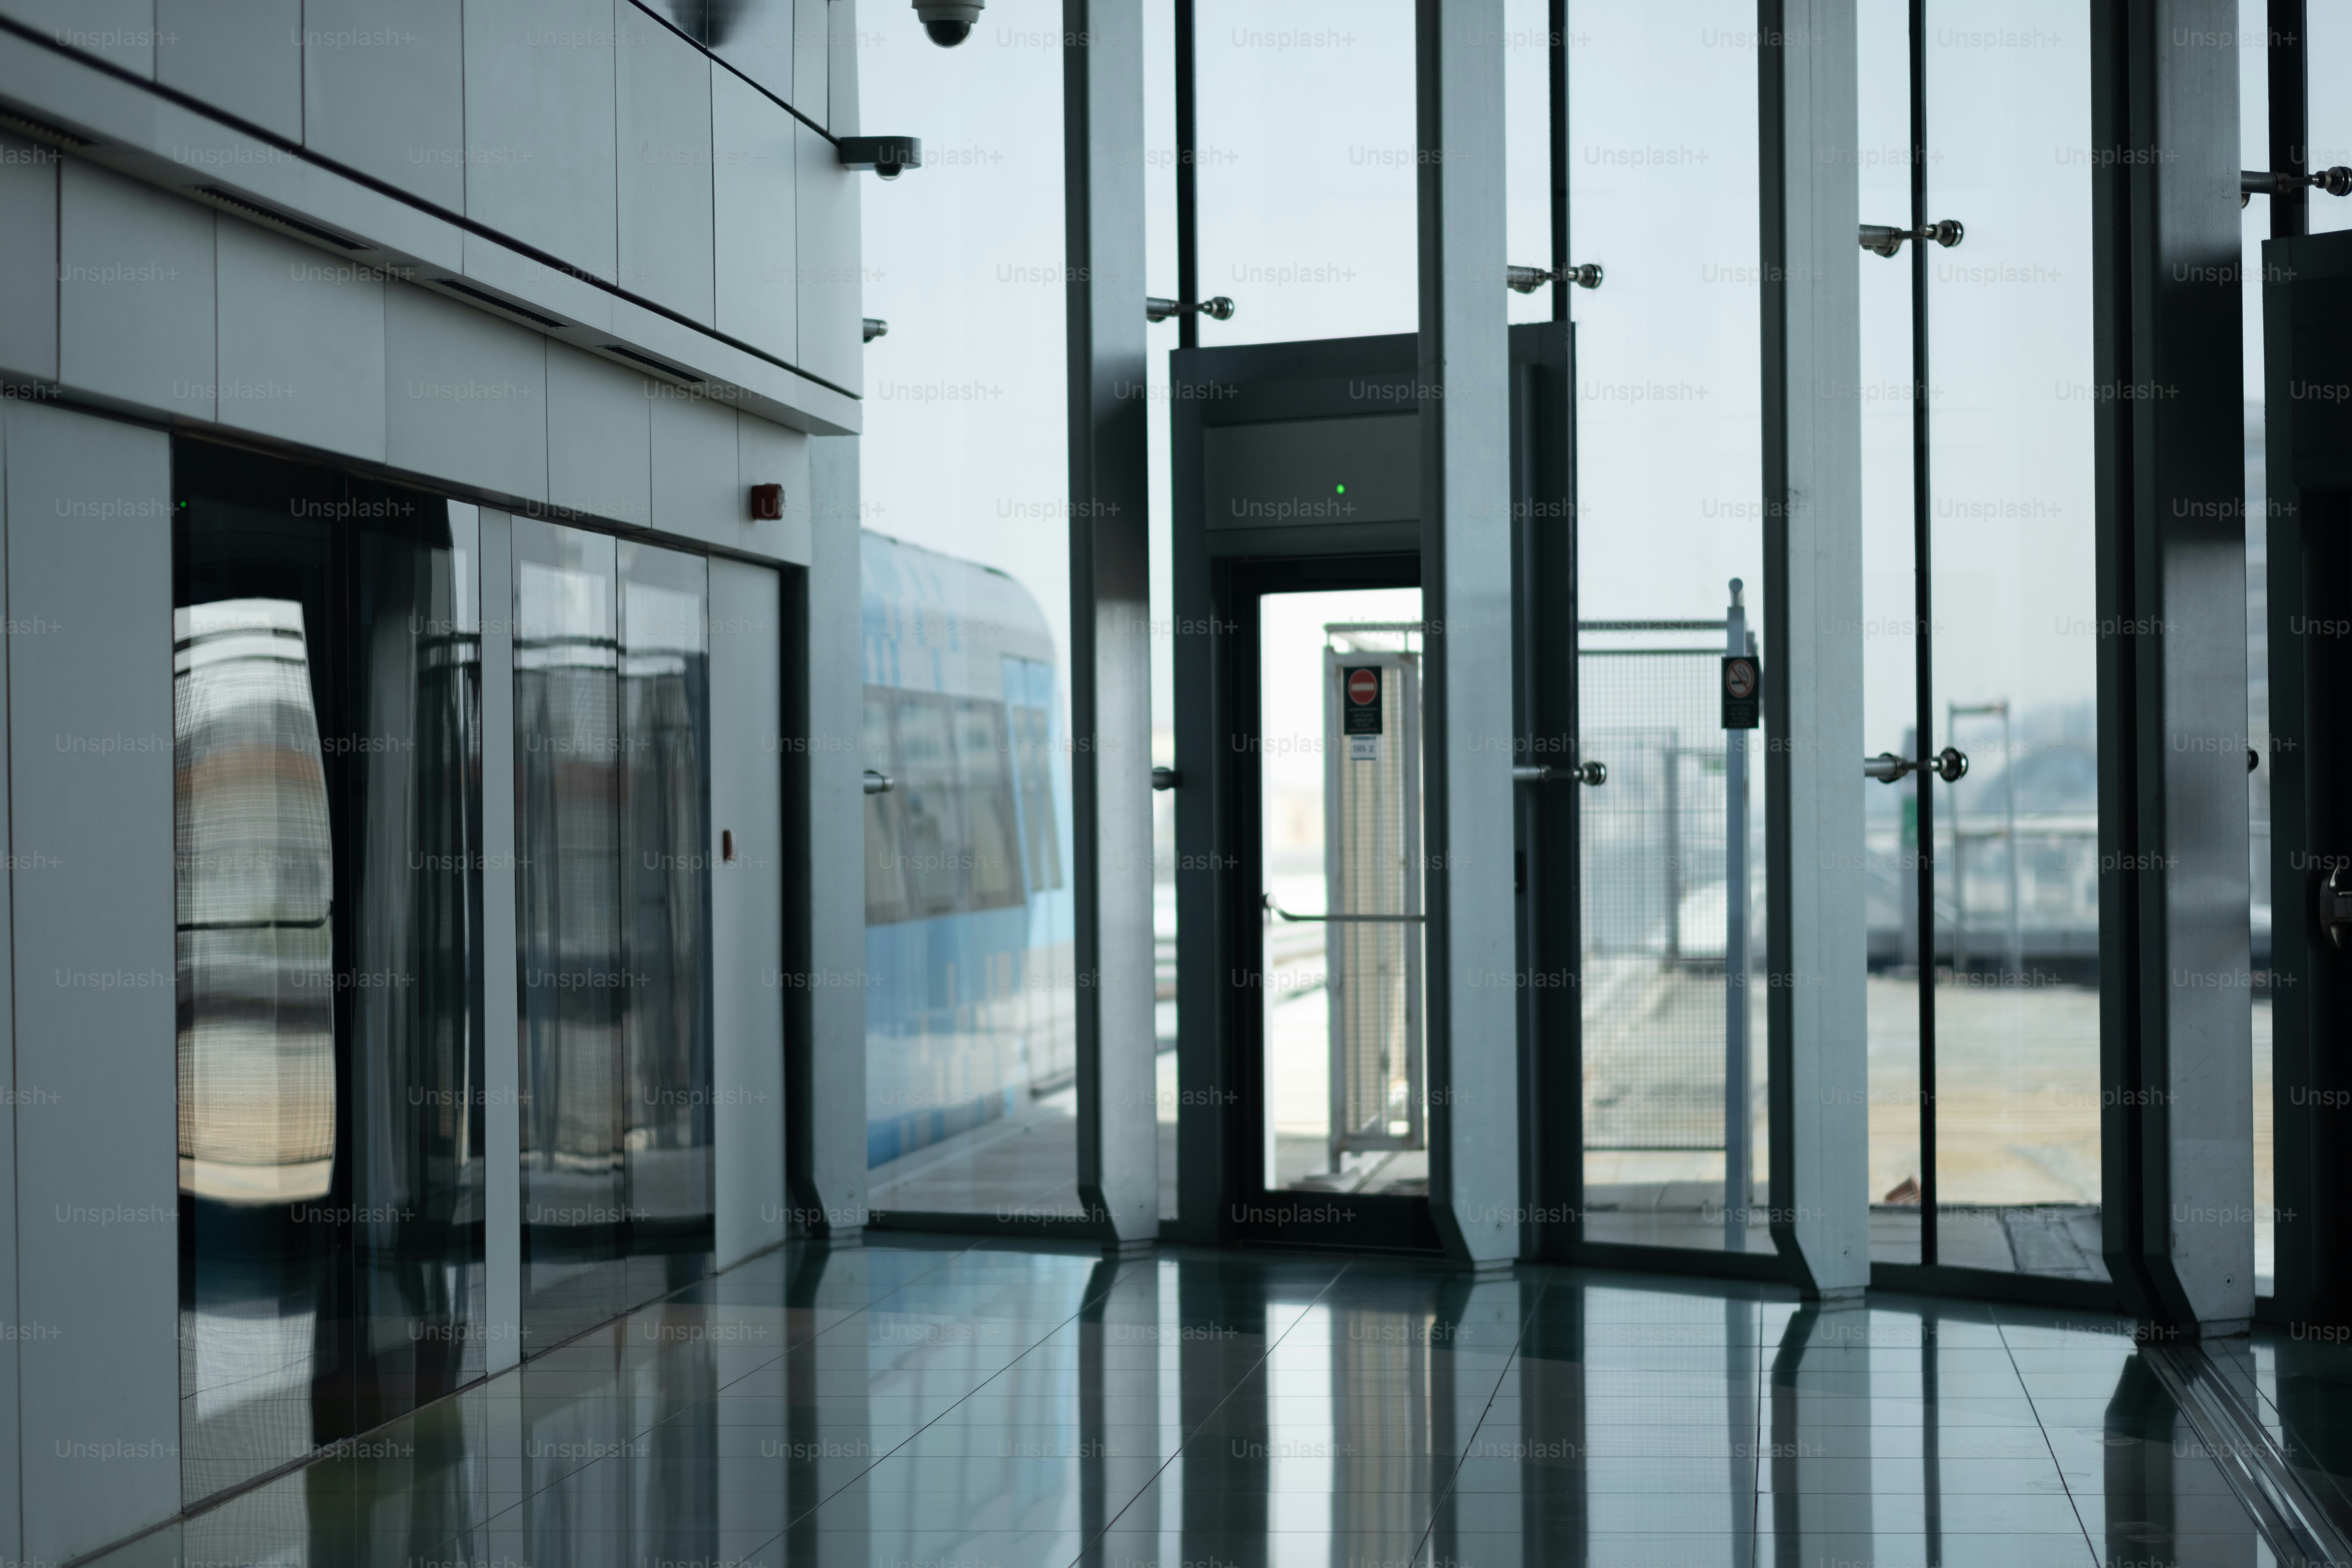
(1339, 490)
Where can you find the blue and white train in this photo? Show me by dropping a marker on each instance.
(968, 916)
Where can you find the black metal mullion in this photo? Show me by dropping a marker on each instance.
(1555, 51)
(2288, 61)
(1923, 639)
(1188, 193)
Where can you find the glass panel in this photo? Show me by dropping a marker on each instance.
(885, 888)
(1890, 629)
(971, 1023)
(2015, 640)
(567, 885)
(1309, 199)
(1662, 152)
(1526, 133)
(665, 857)
(1339, 826)
(970, 1000)
(2330, 27)
(1160, 159)
(2253, 141)
(327, 698)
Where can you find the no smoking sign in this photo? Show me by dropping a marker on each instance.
(1743, 689)
(1360, 711)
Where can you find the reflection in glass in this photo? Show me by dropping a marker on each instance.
(666, 915)
(568, 837)
(612, 781)
(970, 1000)
(327, 703)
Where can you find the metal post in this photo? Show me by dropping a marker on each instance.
(1110, 609)
(1188, 187)
(1907, 836)
(2288, 61)
(1672, 782)
(1556, 61)
(1960, 860)
(2009, 787)
(1738, 1158)
(1923, 577)
(1817, 1011)
(1463, 350)
(2177, 1122)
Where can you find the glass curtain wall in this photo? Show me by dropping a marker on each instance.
(612, 812)
(1662, 152)
(971, 988)
(327, 700)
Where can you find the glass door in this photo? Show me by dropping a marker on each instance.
(1980, 489)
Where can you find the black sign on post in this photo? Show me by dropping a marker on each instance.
(1359, 710)
(1743, 692)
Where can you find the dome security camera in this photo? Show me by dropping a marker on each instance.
(949, 22)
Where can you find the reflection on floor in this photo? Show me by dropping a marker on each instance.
(937, 1402)
(1022, 1166)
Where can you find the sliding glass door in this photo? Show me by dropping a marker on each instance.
(613, 879)
(327, 700)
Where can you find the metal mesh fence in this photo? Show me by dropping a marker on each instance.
(1653, 899)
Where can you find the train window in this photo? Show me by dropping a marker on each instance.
(993, 839)
(1044, 845)
(931, 847)
(886, 890)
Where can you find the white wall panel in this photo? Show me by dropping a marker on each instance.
(538, 125)
(11, 1429)
(598, 437)
(28, 259)
(119, 32)
(811, 63)
(841, 89)
(302, 342)
(464, 395)
(384, 92)
(768, 453)
(89, 719)
(753, 153)
(244, 57)
(747, 1074)
(664, 88)
(134, 292)
(832, 303)
(694, 467)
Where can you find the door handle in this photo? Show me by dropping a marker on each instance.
(1543, 773)
(1951, 764)
(2336, 906)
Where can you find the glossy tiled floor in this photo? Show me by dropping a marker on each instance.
(950, 1405)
